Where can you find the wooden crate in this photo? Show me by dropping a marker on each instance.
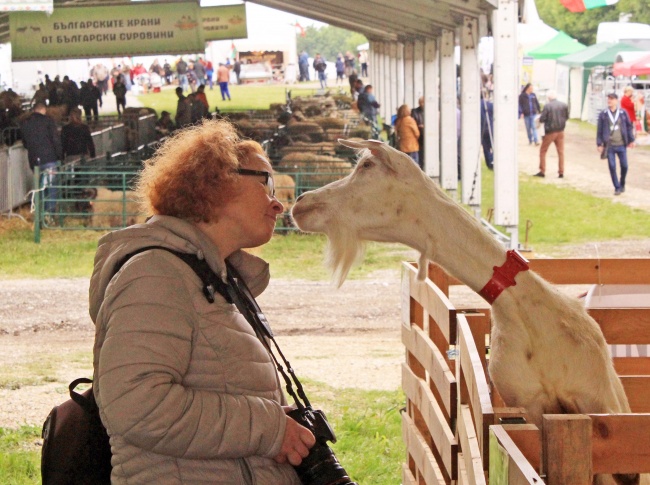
(451, 404)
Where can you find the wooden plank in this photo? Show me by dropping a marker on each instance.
(440, 277)
(637, 389)
(620, 443)
(508, 465)
(419, 451)
(528, 439)
(594, 271)
(469, 444)
(462, 472)
(632, 366)
(480, 325)
(443, 439)
(417, 343)
(566, 449)
(407, 476)
(434, 302)
(475, 380)
(624, 325)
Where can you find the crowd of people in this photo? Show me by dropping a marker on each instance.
(347, 66)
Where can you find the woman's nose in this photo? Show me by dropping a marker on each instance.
(277, 206)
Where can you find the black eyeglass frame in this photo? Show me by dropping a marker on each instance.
(263, 173)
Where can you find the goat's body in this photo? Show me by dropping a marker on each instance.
(548, 355)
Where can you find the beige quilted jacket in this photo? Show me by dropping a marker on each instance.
(186, 390)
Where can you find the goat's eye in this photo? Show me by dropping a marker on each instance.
(367, 164)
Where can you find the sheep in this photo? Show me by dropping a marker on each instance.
(113, 208)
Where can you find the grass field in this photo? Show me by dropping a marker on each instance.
(244, 97)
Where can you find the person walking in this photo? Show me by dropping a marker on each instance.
(181, 73)
(76, 138)
(363, 60)
(43, 144)
(183, 116)
(418, 115)
(615, 134)
(340, 68)
(368, 105)
(487, 130)
(320, 66)
(236, 68)
(627, 103)
(529, 108)
(303, 66)
(119, 90)
(554, 116)
(223, 78)
(407, 134)
(90, 97)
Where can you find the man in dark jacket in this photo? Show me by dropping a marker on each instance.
(554, 116)
(614, 136)
(41, 139)
(90, 96)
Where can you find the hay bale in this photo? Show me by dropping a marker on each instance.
(302, 147)
(328, 122)
(360, 131)
(305, 128)
(313, 170)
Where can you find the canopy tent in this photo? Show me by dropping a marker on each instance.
(637, 67)
(574, 70)
(603, 54)
(560, 45)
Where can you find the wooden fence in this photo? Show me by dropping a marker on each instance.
(456, 427)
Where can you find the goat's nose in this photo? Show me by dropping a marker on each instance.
(300, 197)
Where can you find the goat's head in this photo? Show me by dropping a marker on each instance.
(378, 201)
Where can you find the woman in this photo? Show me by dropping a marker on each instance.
(76, 139)
(529, 108)
(187, 392)
(408, 133)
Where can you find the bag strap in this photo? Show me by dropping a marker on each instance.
(85, 404)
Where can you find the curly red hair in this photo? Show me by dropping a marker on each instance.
(193, 171)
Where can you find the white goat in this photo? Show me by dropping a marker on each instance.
(548, 355)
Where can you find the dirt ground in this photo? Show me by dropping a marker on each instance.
(346, 337)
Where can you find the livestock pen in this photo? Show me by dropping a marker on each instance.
(457, 428)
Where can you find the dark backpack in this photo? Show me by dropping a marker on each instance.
(76, 448)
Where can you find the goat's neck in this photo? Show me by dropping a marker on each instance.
(454, 239)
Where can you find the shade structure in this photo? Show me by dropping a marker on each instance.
(603, 54)
(638, 67)
(560, 45)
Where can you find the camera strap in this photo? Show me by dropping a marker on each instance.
(243, 299)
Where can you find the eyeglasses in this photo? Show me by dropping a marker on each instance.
(269, 186)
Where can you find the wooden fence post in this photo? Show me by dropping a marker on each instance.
(566, 449)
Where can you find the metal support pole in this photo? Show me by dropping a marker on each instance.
(448, 131)
(506, 180)
(37, 205)
(470, 132)
(408, 73)
(431, 110)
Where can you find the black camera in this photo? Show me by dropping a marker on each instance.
(321, 466)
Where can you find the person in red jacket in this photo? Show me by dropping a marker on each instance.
(627, 103)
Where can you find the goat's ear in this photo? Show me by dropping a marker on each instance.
(377, 148)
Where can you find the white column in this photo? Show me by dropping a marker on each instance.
(386, 81)
(372, 71)
(408, 73)
(418, 71)
(431, 110)
(393, 85)
(448, 134)
(506, 181)
(400, 74)
(470, 131)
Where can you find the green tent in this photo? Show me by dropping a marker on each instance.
(603, 54)
(560, 45)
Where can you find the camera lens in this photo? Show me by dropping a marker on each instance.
(322, 468)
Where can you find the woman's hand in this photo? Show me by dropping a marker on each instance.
(296, 443)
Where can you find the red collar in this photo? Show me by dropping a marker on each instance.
(504, 276)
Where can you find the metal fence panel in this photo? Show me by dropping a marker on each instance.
(17, 178)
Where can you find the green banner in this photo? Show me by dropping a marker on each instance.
(228, 22)
(125, 30)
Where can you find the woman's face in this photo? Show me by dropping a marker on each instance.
(251, 213)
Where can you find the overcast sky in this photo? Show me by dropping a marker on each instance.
(264, 19)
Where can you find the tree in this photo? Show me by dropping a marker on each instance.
(329, 41)
(584, 25)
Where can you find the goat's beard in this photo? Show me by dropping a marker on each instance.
(344, 248)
